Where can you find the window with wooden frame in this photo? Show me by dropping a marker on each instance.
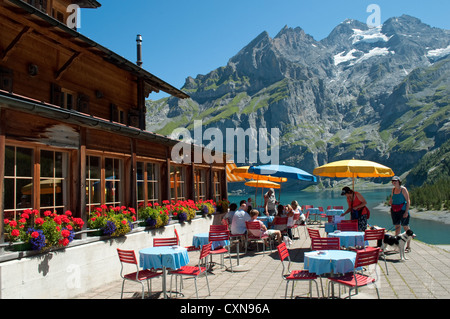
(93, 182)
(118, 114)
(148, 182)
(217, 185)
(18, 181)
(20, 193)
(104, 178)
(39, 4)
(199, 184)
(177, 183)
(53, 179)
(113, 185)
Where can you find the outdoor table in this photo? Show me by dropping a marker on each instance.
(334, 212)
(172, 257)
(313, 211)
(349, 238)
(329, 262)
(203, 238)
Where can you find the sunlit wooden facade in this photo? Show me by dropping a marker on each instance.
(72, 116)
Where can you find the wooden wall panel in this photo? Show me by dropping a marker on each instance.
(88, 73)
(107, 142)
(151, 150)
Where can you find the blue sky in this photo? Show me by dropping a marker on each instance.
(186, 38)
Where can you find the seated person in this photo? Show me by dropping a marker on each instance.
(272, 233)
(239, 218)
(297, 210)
(229, 215)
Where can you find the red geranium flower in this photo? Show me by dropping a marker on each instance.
(35, 234)
(15, 233)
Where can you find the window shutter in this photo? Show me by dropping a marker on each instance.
(114, 113)
(6, 80)
(83, 103)
(56, 95)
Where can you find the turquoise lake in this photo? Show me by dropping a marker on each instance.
(427, 231)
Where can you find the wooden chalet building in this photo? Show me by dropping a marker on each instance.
(72, 114)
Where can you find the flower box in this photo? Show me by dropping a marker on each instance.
(21, 247)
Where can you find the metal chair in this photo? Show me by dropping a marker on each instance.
(255, 234)
(378, 235)
(172, 241)
(295, 226)
(356, 280)
(313, 233)
(348, 226)
(294, 275)
(325, 244)
(221, 236)
(129, 257)
(194, 271)
(280, 223)
(222, 227)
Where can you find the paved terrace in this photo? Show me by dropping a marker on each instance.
(425, 275)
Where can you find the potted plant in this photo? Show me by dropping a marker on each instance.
(222, 206)
(111, 221)
(153, 216)
(51, 230)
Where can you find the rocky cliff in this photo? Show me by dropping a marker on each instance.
(379, 94)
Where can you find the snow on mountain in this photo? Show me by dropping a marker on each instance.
(372, 35)
(438, 53)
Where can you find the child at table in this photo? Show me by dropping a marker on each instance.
(272, 233)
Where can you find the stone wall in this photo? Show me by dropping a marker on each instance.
(82, 266)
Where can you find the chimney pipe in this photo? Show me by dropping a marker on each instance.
(139, 50)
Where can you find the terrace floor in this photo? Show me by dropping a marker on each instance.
(425, 275)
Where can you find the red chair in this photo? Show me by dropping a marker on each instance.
(280, 223)
(296, 218)
(306, 222)
(218, 227)
(129, 257)
(221, 236)
(378, 235)
(355, 280)
(195, 271)
(189, 248)
(338, 207)
(172, 241)
(330, 218)
(348, 226)
(314, 233)
(255, 234)
(325, 243)
(178, 237)
(295, 275)
(322, 213)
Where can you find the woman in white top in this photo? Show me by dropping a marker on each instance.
(297, 210)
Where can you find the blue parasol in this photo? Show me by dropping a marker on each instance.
(283, 171)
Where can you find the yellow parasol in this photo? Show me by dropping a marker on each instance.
(262, 184)
(353, 168)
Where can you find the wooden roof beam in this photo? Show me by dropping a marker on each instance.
(66, 65)
(5, 54)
